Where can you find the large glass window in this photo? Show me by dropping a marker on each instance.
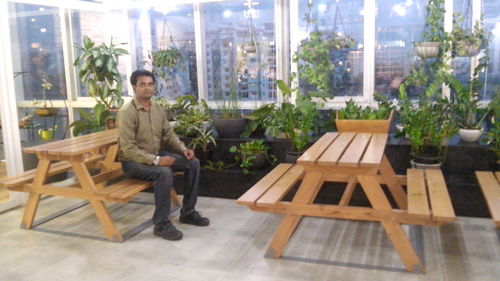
(337, 22)
(399, 23)
(165, 43)
(37, 52)
(492, 76)
(461, 65)
(240, 49)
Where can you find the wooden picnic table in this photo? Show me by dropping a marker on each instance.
(354, 158)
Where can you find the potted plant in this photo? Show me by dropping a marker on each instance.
(165, 63)
(201, 144)
(45, 111)
(466, 43)
(98, 69)
(252, 155)
(353, 118)
(428, 123)
(229, 123)
(91, 122)
(434, 37)
(190, 115)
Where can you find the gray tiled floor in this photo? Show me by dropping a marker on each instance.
(233, 248)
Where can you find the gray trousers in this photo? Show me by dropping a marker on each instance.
(162, 178)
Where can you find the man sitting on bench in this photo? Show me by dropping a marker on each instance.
(144, 137)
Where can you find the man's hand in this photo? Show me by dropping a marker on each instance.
(166, 161)
(189, 154)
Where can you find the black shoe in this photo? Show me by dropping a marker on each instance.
(167, 231)
(194, 218)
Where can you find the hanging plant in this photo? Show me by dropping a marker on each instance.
(434, 35)
(466, 43)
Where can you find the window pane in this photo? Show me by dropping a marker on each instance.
(163, 29)
(492, 24)
(341, 18)
(93, 24)
(37, 52)
(240, 49)
(398, 24)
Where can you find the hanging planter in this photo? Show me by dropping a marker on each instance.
(426, 49)
(46, 111)
(467, 42)
(465, 49)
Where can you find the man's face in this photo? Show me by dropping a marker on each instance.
(144, 88)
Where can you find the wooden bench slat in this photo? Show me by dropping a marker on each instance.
(440, 201)
(418, 203)
(491, 190)
(14, 183)
(315, 151)
(254, 193)
(282, 186)
(353, 154)
(375, 151)
(129, 188)
(331, 156)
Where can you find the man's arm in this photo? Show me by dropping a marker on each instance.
(127, 124)
(170, 140)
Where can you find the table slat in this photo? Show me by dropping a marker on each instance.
(336, 149)
(438, 195)
(375, 151)
(355, 151)
(317, 149)
(417, 193)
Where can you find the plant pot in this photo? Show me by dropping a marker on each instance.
(470, 135)
(259, 161)
(204, 155)
(426, 162)
(426, 49)
(367, 126)
(465, 49)
(46, 111)
(292, 156)
(229, 128)
(47, 134)
(111, 123)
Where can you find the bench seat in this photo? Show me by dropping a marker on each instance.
(16, 183)
(428, 195)
(490, 185)
(273, 187)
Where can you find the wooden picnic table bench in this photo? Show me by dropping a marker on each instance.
(353, 158)
(79, 154)
(490, 185)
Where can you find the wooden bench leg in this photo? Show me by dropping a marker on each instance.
(174, 199)
(392, 182)
(394, 231)
(105, 220)
(346, 197)
(305, 195)
(30, 210)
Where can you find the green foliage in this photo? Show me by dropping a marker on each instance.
(165, 63)
(493, 135)
(91, 122)
(352, 111)
(191, 115)
(98, 69)
(313, 58)
(203, 139)
(248, 152)
(229, 107)
(216, 166)
(463, 38)
(434, 29)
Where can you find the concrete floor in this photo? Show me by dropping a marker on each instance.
(233, 248)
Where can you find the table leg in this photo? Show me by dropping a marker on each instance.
(99, 207)
(392, 182)
(394, 231)
(306, 194)
(346, 197)
(34, 198)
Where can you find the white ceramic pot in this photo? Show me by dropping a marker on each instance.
(470, 135)
(426, 49)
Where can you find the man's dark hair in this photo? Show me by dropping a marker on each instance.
(140, 72)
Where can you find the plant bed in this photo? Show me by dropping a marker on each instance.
(369, 126)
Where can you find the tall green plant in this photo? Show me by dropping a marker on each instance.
(91, 122)
(98, 69)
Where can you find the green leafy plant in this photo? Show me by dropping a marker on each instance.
(249, 152)
(467, 43)
(165, 63)
(191, 115)
(91, 122)
(230, 107)
(493, 135)
(215, 166)
(98, 69)
(203, 139)
(353, 111)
